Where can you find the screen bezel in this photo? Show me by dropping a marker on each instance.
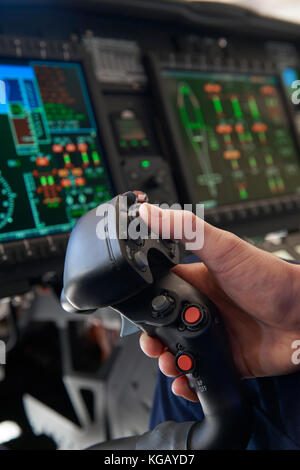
(156, 69)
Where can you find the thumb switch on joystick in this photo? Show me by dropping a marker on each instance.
(161, 305)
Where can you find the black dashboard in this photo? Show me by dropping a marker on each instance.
(190, 103)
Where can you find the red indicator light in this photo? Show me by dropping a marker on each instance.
(80, 181)
(77, 171)
(42, 161)
(71, 148)
(57, 148)
(66, 183)
(82, 147)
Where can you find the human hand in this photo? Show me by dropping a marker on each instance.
(257, 294)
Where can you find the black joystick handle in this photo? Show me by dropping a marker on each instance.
(133, 276)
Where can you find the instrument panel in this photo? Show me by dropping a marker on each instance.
(53, 171)
(100, 102)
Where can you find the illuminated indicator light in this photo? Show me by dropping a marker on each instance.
(252, 162)
(123, 143)
(210, 88)
(42, 161)
(145, 163)
(63, 172)
(243, 193)
(57, 148)
(50, 180)
(268, 90)
(249, 137)
(77, 171)
(43, 180)
(259, 127)
(67, 158)
(53, 204)
(85, 158)
(134, 143)
(66, 183)
(71, 148)
(232, 154)
(80, 181)
(96, 157)
(217, 104)
(82, 147)
(253, 108)
(224, 129)
(239, 128)
(236, 108)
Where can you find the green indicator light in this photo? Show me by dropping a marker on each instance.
(95, 156)
(272, 183)
(50, 180)
(217, 104)
(243, 194)
(185, 90)
(252, 162)
(145, 142)
(85, 157)
(123, 143)
(67, 158)
(43, 180)
(237, 108)
(145, 163)
(134, 143)
(253, 108)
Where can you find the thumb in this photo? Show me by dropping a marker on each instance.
(255, 280)
(216, 248)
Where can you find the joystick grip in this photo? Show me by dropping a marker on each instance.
(192, 329)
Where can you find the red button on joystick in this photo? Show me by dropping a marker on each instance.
(192, 315)
(185, 362)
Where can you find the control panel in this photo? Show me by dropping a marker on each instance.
(99, 104)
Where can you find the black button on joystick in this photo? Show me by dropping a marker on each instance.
(162, 304)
